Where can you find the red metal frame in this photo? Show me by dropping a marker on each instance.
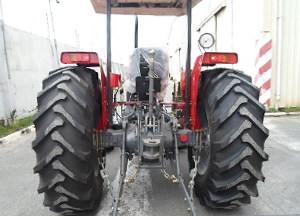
(195, 76)
(103, 119)
(115, 80)
(201, 60)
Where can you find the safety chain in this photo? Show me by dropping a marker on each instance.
(105, 176)
(193, 174)
(168, 176)
(196, 159)
(98, 144)
(136, 174)
(164, 172)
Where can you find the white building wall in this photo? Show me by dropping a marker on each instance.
(5, 93)
(30, 53)
(284, 23)
(30, 58)
(237, 25)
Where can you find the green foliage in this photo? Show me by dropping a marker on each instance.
(272, 110)
(291, 109)
(286, 109)
(18, 125)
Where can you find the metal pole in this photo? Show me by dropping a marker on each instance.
(53, 30)
(7, 95)
(188, 62)
(4, 42)
(136, 33)
(279, 49)
(151, 85)
(108, 62)
(190, 200)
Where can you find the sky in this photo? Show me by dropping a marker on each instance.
(69, 15)
(153, 30)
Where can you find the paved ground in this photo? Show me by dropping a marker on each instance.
(152, 194)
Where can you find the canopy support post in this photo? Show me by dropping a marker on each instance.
(108, 62)
(136, 32)
(188, 63)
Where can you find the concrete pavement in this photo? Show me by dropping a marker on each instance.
(152, 194)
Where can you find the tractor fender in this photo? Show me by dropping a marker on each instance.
(195, 76)
(102, 125)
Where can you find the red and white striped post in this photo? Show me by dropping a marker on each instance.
(263, 65)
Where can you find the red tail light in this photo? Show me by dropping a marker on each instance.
(84, 58)
(212, 58)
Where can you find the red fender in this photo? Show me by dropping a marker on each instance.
(195, 75)
(103, 118)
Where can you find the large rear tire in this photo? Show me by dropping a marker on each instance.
(68, 111)
(234, 135)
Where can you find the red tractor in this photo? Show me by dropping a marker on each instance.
(215, 114)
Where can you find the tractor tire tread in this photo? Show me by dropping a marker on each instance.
(237, 138)
(65, 121)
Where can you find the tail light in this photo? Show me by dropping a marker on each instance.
(212, 58)
(83, 58)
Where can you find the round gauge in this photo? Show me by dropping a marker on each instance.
(206, 40)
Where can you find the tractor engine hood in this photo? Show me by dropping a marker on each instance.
(142, 7)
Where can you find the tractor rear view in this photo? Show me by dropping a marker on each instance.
(215, 114)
